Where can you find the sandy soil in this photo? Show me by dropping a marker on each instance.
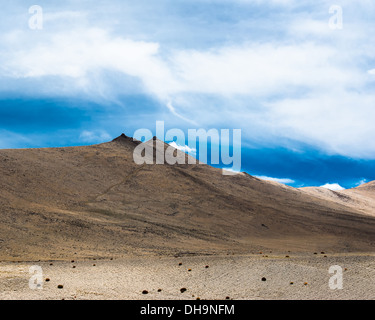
(236, 277)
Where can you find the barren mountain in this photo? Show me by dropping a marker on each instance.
(361, 198)
(95, 201)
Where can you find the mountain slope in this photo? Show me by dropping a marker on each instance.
(361, 198)
(59, 203)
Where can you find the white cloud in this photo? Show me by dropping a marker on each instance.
(333, 186)
(173, 110)
(79, 53)
(94, 136)
(339, 122)
(252, 69)
(279, 180)
(185, 148)
(361, 182)
(261, 69)
(372, 71)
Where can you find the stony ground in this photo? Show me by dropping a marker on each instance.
(263, 276)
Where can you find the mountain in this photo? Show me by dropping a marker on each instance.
(95, 201)
(368, 188)
(361, 198)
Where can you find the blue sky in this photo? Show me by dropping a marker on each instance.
(301, 92)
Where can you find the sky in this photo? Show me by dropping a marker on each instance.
(297, 77)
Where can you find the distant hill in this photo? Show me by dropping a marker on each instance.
(61, 203)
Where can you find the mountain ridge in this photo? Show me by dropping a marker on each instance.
(95, 201)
